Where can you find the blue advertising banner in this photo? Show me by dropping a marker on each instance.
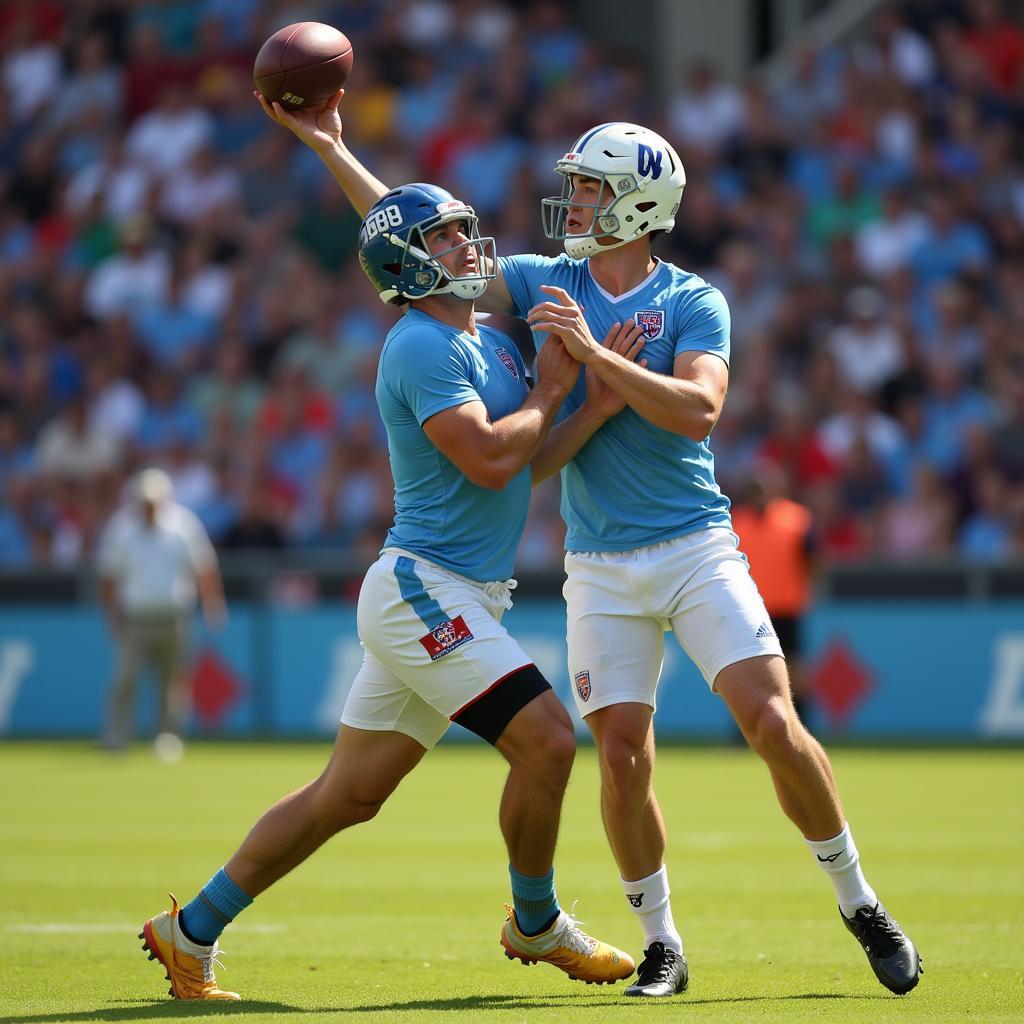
(926, 671)
(56, 666)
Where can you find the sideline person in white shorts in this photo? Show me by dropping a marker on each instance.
(621, 603)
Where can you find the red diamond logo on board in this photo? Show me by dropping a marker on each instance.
(215, 688)
(840, 682)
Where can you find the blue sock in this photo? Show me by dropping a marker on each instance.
(219, 902)
(535, 901)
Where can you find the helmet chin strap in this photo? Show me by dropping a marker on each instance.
(583, 246)
(462, 288)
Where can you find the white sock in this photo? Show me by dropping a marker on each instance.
(841, 862)
(649, 899)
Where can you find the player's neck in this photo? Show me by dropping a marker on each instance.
(621, 270)
(457, 313)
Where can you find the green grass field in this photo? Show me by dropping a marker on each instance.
(398, 919)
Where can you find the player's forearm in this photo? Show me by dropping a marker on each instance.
(516, 438)
(564, 441)
(680, 406)
(361, 187)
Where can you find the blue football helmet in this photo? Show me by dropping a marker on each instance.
(394, 254)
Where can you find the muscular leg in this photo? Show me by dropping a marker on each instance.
(636, 832)
(757, 693)
(624, 734)
(540, 746)
(364, 770)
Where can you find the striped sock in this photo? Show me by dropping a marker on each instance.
(535, 901)
(218, 903)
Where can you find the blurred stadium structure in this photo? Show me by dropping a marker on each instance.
(178, 286)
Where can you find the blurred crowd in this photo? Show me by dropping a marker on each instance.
(179, 285)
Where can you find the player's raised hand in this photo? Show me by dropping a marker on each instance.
(562, 316)
(318, 127)
(556, 366)
(628, 341)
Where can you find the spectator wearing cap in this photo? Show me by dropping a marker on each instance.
(154, 558)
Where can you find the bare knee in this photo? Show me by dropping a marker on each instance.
(627, 763)
(338, 808)
(548, 757)
(773, 731)
(557, 750)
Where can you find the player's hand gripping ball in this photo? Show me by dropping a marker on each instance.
(303, 65)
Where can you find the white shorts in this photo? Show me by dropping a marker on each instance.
(621, 603)
(432, 644)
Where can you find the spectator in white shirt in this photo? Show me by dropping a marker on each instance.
(135, 277)
(166, 138)
(709, 112)
(885, 245)
(71, 447)
(868, 350)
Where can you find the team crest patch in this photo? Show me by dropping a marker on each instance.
(583, 684)
(445, 637)
(510, 364)
(652, 321)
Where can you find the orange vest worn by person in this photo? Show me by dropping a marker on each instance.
(775, 545)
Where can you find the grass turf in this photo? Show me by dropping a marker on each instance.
(398, 919)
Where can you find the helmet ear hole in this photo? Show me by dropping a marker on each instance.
(393, 268)
(644, 207)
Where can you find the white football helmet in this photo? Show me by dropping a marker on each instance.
(646, 178)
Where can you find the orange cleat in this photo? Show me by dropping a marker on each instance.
(189, 966)
(567, 947)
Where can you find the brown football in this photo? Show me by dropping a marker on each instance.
(302, 65)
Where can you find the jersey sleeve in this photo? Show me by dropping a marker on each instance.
(523, 275)
(428, 373)
(706, 325)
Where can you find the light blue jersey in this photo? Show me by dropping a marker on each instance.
(634, 484)
(425, 368)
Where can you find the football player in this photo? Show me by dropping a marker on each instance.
(462, 427)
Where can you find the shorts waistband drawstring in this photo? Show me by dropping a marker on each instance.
(501, 590)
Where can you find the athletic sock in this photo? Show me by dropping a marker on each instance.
(535, 901)
(840, 860)
(649, 898)
(218, 903)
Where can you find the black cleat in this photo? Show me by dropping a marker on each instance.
(663, 972)
(893, 957)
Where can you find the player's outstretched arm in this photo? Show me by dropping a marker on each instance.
(320, 129)
(602, 403)
(491, 454)
(687, 403)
